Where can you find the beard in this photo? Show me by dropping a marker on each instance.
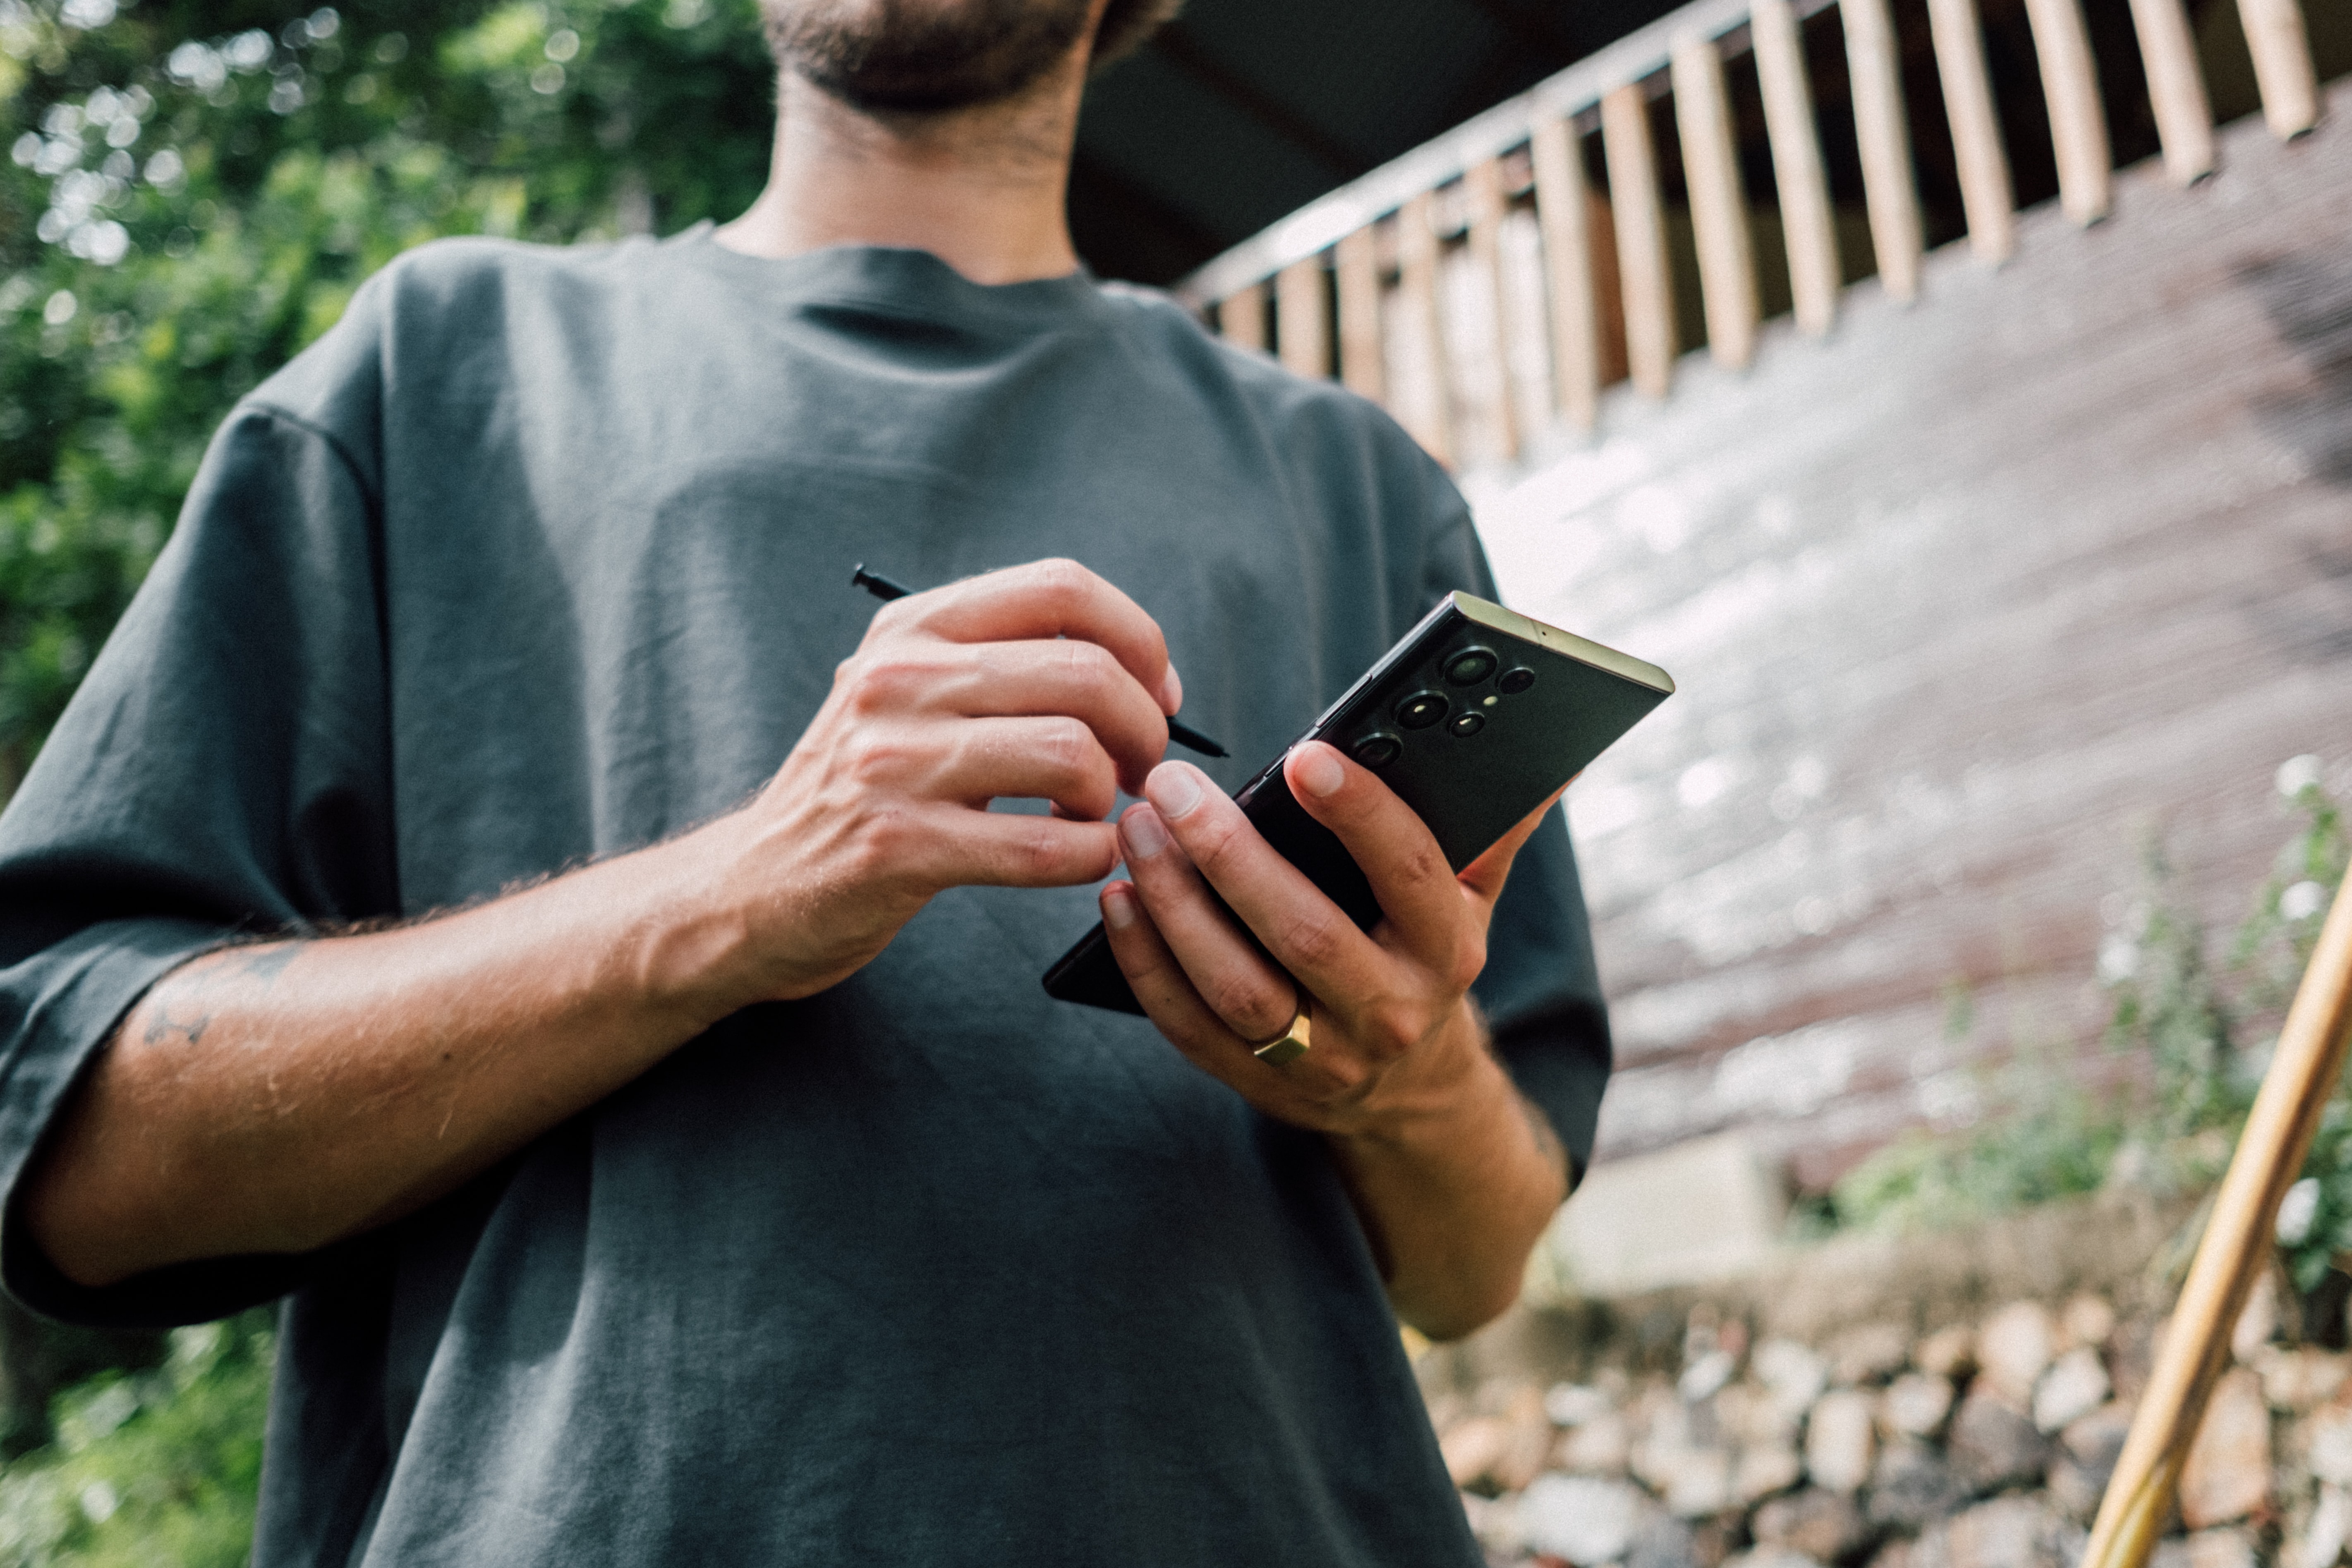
(922, 55)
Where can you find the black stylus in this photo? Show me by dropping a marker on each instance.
(882, 588)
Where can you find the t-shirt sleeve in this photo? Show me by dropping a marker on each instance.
(221, 775)
(1540, 990)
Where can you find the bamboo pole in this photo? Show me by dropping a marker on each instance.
(1302, 332)
(2176, 88)
(1874, 66)
(1483, 183)
(1726, 256)
(1241, 317)
(1987, 196)
(1641, 221)
(1363, 358)
(1568, 271)
(2281, 51)
(2234, 1251)
(1788, 125)
(1432, 423)
(2078, 122)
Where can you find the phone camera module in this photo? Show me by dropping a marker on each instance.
(1421, 709)
(1469, 666)
(1466, 725)
(1377, 750)
(1515, 682)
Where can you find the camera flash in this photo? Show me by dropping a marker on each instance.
(1491, 701)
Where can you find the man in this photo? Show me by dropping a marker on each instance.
(502, 887)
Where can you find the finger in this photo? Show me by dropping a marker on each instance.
(1484, 876)
(1234, 979)
(953, 847)
(1399, 857)
(1304, 931)
(1160, 985)
(1017, 680)
(1046, 599)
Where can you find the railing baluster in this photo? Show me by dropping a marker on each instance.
(2176, 88)
(1363, 361)
(1796, 164)
(1301, 329)
(2078, 123)
(1987, 197)
(1874, 67)
(1641, 238)
(2281, 51)
(1727, 260)
(1568, 271)
(1241, 317)
(1417, 285)
(1487, 209)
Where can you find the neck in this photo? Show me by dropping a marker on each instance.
(983, 189)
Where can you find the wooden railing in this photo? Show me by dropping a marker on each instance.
(1485, 284)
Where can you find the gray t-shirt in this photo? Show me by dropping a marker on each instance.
(543, 554)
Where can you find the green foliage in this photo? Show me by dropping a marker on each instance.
(2044, 1136)
(157, 1467)
(195, 190)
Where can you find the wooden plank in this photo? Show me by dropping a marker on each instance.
(1726, 259)
(2176, 88)
(1302, 330)
(1483, 185)
(1432, 422)
(1813, 279)
(1560, 196)
(2078, 122)
(1241, 317)
(1641, 222)
(1363, 360)
(1987, 196)
(2281, 51)
(1874, 64)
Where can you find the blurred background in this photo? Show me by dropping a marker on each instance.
(1999, 530)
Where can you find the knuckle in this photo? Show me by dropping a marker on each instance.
(1314, 939)
(1469, 960)
(1247, 1004)
(1393, 1023)
(1422, 863)
(1062, 579)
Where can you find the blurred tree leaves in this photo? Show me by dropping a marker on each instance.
(193, 190)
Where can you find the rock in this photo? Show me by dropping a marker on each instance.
(2331, 1528)
(2013, 1347)
(2087, 1451)
(2228, 1548)
(1704, 1377)
(1574, 1403)
(1792, 1376)
(1948, 1353)
(1840, 1440)
(1771, 1557)
(2299, 1379)
(1580, 1518)
(2074, 1385)
(1915, 1405)
(1495, 1522)
(1527, 1442)
(1602, 1446)
(1698, 1482)
(1761, 1472)
(1994, 1444)
(2228, 1475)
(2017, 1531)
(1894, 1554)
(1872, 1352)
(2328, 1446)
(1663, 1543)
(2258, 1321)
(1708, 1208)
(1473, 1448)
(1912, 1487)
(2086, 1322)
(1822, 1525)
(1754, 1417)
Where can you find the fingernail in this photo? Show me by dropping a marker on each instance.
(1319, 773)
(1144, 833)
(1118, 906)
(1171, 692)
(1174, 788)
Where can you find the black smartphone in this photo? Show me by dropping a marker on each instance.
(1475, 717)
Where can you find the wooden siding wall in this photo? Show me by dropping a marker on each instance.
(1964, 601)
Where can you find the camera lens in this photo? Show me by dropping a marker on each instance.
(1421, 709)
(1377, 750)
(1469, 666)
(1515, 682)
(1467, 723)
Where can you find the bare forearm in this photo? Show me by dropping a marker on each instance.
(1455, 1192)
(274, 1097)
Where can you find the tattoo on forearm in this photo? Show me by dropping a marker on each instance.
(182, 1006)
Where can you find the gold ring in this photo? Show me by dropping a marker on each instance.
(1291, 1044)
